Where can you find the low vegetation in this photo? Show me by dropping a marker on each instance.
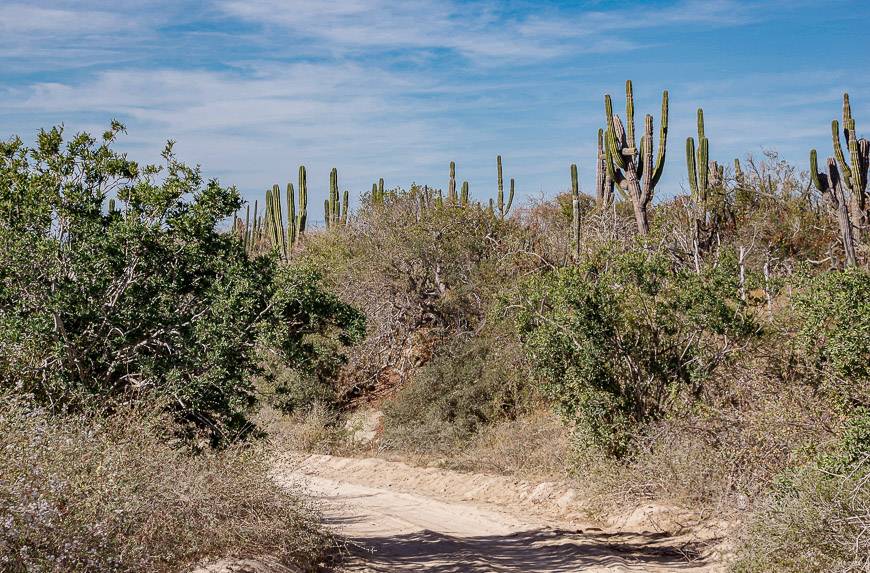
(113, 493)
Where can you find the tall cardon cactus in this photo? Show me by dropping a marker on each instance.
(631, 166)
(335, 210)
(845, 183)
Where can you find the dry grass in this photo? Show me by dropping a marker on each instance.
(113, 494)
(317, 429)
(816, 522)
(534, 447)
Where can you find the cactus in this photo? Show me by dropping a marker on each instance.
(831, 185)
(502, 208)
(464, 196)
(302, 210)
(111, 206)
(845, 183)
(705, 176)
(853, 174)
(452, 199)
(378, 192)
(247, 229)
(632, 167)
(603, 181)
(254, 229)
(275, 222)
(575, 210)
(335, 208)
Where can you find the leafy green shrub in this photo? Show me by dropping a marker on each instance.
(148, 298)
(468, 385)
(304, 341)
(621, 339)
(111, 493)
(834, 313)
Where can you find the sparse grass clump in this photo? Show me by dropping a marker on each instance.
(114, 494)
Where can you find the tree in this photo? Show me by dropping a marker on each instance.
(144, 299)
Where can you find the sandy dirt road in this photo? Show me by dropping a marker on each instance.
(402, 518)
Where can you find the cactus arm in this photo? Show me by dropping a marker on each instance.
(500, 187)
(255, 223)
(510, 197)
(629, 114)
(303, 202)
(465, 193)
(617, 143)
(345, 202)
(690, 164)
(291, 216)
(575, 185)
(663, 141)
(838, 152)
(247, 227)
(855, 158)
(703, 169)
(451, 188)
(575, 209)
(820, 180)
(646, 159)
(600, 169)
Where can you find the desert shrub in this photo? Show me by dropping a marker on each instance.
(623, 339)
(304, 344)
(81, 494)
(470, 384)
(420, 275)
(817, 518)
(833, 311)
(146, 299)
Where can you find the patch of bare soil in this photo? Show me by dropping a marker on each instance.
(398, 517)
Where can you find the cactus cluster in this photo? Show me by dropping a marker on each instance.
(335, 212)
(705, 176)
(845, 183)
(378, 195)
(631, 166)
(454, 198)
(271, 225)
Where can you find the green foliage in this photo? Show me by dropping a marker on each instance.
(834, 313)
(147, 298)
(308, 329)
(622, 339)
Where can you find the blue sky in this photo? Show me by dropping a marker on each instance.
(251, 89)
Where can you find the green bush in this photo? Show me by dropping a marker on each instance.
(833, 310)
(146, 299)
(623, 338)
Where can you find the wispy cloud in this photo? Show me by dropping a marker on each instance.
(250, 89)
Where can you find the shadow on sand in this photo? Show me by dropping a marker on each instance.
(533, 551)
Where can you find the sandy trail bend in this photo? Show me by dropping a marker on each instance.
(402, 518)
